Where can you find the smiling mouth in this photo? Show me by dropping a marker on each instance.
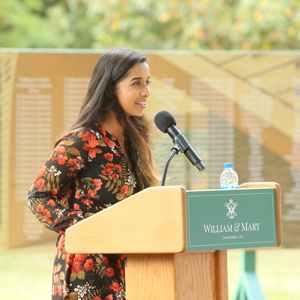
(144, 104)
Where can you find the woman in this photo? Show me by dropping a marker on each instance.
(104, 158)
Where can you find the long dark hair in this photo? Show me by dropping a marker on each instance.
(101, 99)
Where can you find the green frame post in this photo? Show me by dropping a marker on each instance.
(248, 286)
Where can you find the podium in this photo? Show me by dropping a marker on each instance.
(151, 229)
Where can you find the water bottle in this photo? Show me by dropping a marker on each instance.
(229, 178)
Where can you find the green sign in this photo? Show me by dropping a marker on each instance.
(230, 219)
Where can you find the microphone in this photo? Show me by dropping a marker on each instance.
(166, 123)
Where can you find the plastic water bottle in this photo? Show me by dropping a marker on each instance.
(229, 178)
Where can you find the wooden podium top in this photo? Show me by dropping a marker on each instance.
(151, 221)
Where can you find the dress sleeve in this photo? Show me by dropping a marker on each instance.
(48, 195)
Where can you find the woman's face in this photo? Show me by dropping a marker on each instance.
(133, 90)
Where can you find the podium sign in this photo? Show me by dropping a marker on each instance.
(230, 219)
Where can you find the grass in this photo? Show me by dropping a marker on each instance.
(25, 273)
(277, 269)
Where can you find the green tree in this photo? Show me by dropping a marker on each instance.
(26, 24)
(151, 24)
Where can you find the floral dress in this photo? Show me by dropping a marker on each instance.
(86, 173)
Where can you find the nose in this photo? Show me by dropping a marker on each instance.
(146, 91)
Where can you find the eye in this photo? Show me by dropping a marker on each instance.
(148, 82)
(137, 83)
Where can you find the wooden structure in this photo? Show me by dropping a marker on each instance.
(248, 286)
(150, 228)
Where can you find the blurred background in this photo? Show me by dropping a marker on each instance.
(151, 24)
(228, 70)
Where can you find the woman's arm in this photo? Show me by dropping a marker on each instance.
(48, 196)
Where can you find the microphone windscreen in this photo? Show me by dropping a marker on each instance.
(163, 120)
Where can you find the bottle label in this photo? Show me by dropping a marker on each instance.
(229, 187)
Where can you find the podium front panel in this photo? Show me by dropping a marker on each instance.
(230, 219)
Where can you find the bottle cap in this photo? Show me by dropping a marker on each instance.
(227, 165)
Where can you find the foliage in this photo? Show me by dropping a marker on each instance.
(151, 24)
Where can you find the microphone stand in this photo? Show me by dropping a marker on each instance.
(174, 150)
(180, 145)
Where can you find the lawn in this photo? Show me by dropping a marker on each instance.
(25, 273)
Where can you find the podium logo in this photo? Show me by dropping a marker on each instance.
(231, 209)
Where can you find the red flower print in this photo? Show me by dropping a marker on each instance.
(60, 149)
(69, 193)
(118, 168)
(42, 172)
(40, 208)
(61, 242)
(77, 194)
(91, 139)
(105, 260)
(122, 256)
(96, 298)
(69, 258)
(40, 183)
(109, 297)
(61, 159)
(67, 255)
(110, 166)
(47, 216)
(115, 287)
(76, 206)
(50, 157)
(89, 265)
(76, 267)
(87, 202)
(72, 170)
(97, 183)
(107, 172)
(86, 147)
(80, 257)
(115, 176)
(108, 156)
(110, 272)
(103, 131)
(92, 153)
(109, 142)
(54, 192)
(47, 213)
(118, 264)
(56, 279)
(85, 136)
(124, 189)
(73, 161)
(59, 290)
(91, 194)
(51, 202)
